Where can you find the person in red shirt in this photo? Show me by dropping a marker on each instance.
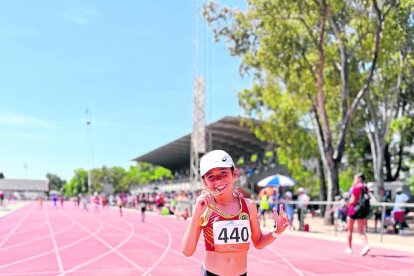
(1, 198)
(356, 192)
(228, 220)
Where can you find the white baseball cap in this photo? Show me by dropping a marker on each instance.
(215, 159)
(289, 194)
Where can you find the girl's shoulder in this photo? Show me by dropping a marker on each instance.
(251, 205)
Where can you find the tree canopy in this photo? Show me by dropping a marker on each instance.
(312, 63)
(120, 179)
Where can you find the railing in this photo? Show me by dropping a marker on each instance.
(372, 203)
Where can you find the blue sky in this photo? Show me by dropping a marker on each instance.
(130, 62)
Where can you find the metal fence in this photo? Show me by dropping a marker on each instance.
(373, 204)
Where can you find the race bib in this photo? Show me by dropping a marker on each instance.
(231, 232)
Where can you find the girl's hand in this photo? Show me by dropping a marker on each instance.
(281, 220)
(204, 200)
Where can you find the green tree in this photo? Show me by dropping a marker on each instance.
(55, 182)
(77, 184)
(311, 63)
(100, 177)
(119, 178)
(392, 84)
(117, 175)
(161, 173)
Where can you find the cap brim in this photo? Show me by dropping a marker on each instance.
(214, 166)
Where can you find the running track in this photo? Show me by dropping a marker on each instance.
(48, 241)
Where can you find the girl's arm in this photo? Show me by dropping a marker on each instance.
(192, 234)
(259, 239)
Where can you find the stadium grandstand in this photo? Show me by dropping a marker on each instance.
(24, 188)
(227, 134)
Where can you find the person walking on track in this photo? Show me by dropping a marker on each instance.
(358, 212)
(228, 220)
(143, 206)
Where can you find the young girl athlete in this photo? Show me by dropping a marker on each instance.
(229, 221)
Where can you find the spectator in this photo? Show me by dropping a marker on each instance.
(62, 200)
(54, 200)
(274, 200)
(96, 202)
(159, 202)
(143, 205)
(186, 214)
(120, 204)
(264, 208)
(181, 199)
(103, 200)
(1, 198)
(289, 209)
(382, 197)
(336, 211)
(40, 202)
(85, 202)
(344, 213)
(78, 200)
(399, 211)
(303, 200)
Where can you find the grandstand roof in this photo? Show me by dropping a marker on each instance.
(227, 134)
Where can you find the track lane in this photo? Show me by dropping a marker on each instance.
(155, 247)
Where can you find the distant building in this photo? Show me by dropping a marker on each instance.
(24, 188)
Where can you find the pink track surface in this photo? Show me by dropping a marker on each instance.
(69, 241)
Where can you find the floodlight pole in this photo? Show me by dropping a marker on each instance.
(198, 135)
(89, 148)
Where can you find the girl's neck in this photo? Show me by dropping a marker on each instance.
(226, 200)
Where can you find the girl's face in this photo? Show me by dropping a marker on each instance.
(219, 180)
(357, 180)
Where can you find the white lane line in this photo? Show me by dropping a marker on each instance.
(147, 225)
(37, 239)
(167, 249)
(298, 272)
(331, 260)
(50, 251)
(31, 229)
(271, 262)
(15, 228)
(55, 246)
(125, 232)
(348, 264)
(112, 249)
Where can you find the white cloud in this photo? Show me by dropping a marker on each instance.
(81, 17)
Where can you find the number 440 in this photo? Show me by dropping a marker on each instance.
(235, 235)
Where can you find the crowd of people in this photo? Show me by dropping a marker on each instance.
(267, 201)
(173, 203)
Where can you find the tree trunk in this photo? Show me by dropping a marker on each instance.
(322, 185)
(333, 184)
